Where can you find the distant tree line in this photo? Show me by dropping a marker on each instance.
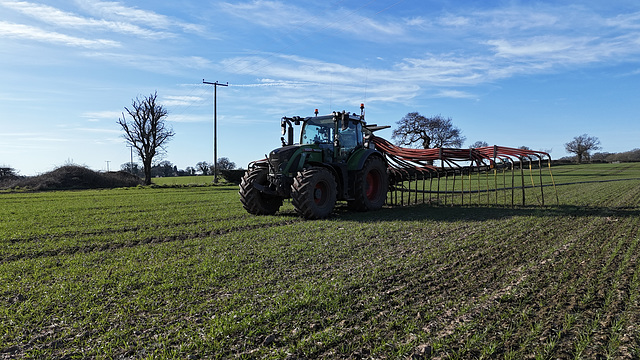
(627, 156)
(7, 172)
(167, 169)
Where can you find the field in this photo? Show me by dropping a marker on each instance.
(186, 273)
(185, 180)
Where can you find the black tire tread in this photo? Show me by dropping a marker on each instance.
(302, 193)
(361, 202)
(254, 201)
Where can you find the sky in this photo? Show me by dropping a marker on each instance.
(511, 73)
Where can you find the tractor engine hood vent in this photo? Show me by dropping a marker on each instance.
(279, 158)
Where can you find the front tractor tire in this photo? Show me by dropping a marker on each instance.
(313, 193)
(371, 186)
(252, 199)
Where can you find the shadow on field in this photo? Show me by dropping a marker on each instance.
(457, 213)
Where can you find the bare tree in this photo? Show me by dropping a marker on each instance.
(478, 144)
(225, 164)
(8, 172)
(163, 168)
(434, 132)
(581, 145)
(204, 167)
(132, 168)
(146, 131)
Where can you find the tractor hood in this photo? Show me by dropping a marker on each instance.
(291, 158)
(279, 158)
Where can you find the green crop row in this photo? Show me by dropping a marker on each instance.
(187, 273)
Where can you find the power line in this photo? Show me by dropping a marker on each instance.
(215, 127)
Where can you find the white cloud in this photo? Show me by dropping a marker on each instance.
(159, 64)
(455, 21)
(498, 43)
(294, 78)
(625, 21)
(416, 21)
(456, 94)
(276, 83)
(59, 18)
(189, 118)
(116, 11)
(535, 47)
(269, 14)
(102, 115)
(549, 51)
(99, 131)
(517, 18)
(19, 31)
(186, 100)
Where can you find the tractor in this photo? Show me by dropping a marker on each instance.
(333, 161)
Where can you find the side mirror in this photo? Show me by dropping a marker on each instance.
(283, 125)
(345, 121)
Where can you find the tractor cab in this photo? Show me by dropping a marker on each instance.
(337, 134)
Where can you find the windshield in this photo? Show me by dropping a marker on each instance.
(318, 130)
(351, 136)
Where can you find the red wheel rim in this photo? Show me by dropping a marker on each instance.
(373, 185)
(320, 193)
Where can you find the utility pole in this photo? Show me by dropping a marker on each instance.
(215, 126)
(131, 163)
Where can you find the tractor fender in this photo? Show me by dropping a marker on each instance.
(327, 166)
(358, 158)
(258, 163)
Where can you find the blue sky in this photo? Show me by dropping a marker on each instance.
(510, 73)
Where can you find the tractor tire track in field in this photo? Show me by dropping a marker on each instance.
(486, 294)
(585, 182)
(111, 246)
(112, 231)
(452, 280)
(536, 286)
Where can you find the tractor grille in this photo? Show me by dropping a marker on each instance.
(279, 158)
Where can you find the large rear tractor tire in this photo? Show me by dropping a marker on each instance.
(313, 193)
(254, 201)
(371, 186)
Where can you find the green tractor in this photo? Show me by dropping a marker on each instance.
(333, 161)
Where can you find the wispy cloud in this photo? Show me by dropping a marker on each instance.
(59, 18)
(181, 100)
(182, 118)
(625, 21)
(102, 115)
(19, 31)
(158, 64)
(294, 77)
(498, 43)
(456, 94)
(33, 138)
(560, 50)
(263, 13)
(116, 11)
(99, 130)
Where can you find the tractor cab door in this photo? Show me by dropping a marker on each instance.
(349, 136)
(319, 131)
